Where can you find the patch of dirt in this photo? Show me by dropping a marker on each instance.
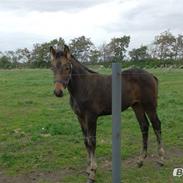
(36, 177)
(170, 154)
(174, 152)
(103, 163)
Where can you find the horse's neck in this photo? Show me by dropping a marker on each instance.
(77, 78)
(78, 70)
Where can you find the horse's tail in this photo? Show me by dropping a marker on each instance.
(156, 87)
(157, 81)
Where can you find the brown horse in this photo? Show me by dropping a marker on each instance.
(90, 97)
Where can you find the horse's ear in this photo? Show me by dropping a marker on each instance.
(67, 52)
(52, 51)
(53, 54)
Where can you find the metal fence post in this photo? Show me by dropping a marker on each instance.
(116, 123)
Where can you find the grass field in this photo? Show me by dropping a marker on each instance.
(41, 141)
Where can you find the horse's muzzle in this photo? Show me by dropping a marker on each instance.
(58, 93)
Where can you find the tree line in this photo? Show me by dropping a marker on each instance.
(165, 46)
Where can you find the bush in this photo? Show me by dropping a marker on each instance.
(148, 63)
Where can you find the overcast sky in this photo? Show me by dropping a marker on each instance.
(25, 22)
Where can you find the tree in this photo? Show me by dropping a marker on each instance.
(118, 47)
(5, 62)
(95, 56)
(81, 47)
(179, 47)
(40, 54)
(11, 55)
(12, 58)
(105, 52)
(165, 45)
(139, 53)
(23, 55)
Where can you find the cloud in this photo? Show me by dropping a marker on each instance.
(150, 16)
(25, 22)
(143, 19)
(50, 25)
(49, 5)
(13, 41)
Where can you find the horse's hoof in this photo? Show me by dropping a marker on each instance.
(90, 181)
(88, 170)
(139, 164)
(160, 163)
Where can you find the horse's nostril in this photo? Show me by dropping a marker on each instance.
(58, 93)
(61, 93)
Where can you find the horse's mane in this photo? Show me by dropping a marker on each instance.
(60, 53)
(83, 66)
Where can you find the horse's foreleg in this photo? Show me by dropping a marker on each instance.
(88, 127)
(91, 146)
(92, 165)
(84, 129)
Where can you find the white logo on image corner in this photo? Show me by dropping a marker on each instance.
(178, 172)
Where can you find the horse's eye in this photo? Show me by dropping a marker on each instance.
(67, 68)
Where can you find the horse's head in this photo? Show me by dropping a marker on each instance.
(62, 69)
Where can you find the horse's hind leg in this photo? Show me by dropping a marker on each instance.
(156, 123)
(144, 126)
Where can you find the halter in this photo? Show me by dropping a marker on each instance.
(65, 82)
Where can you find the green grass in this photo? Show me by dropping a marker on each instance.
(39, 132)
